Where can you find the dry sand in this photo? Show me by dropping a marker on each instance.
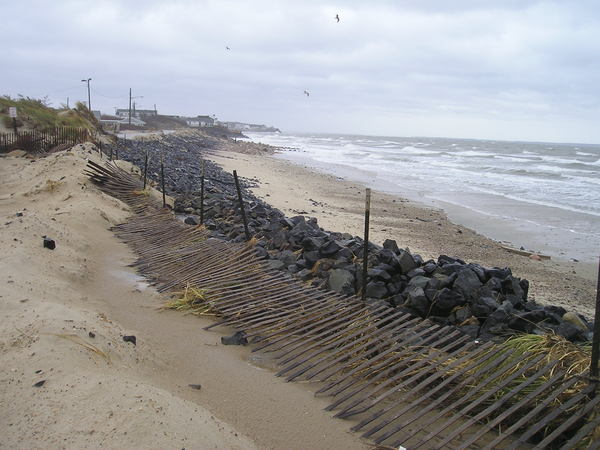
(339, 205)
(64, 312)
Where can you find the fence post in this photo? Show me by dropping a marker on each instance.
(596, 339)
(145, 168)
(162, 180)
(239, 193)
(202, 195)
(366, 244)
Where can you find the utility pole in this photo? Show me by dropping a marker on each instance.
(89, 98)
(155, 112)
(129, 106)
(67, 102)
(130, 98)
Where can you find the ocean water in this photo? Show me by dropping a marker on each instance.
(542, 196)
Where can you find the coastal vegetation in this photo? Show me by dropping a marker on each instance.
(37, 114)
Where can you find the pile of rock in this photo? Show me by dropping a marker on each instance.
(485, 303)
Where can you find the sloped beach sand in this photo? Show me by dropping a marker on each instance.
(339, 206)
(64, 313)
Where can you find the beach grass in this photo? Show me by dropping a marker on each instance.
(36, 114)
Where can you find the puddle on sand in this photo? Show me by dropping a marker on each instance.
(263, 361)
(138, 281)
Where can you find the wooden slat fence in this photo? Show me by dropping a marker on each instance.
(34, 141)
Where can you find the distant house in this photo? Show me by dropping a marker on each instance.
(136, 112)
(206, 121)
(200, 121)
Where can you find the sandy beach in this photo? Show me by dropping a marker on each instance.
(339, 205)
(69, 380)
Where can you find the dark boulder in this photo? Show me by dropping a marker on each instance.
(470, 330)
(444, 259)
(460, 315)
(479, 271)
(496, 272)
(329, 249)
(261, 253)
(310, 243)
(390, 244)
(467, 283)
(287, 256)
(388, 257)
(450, 268)
(496, 323)
(341, 281)
(376, 289)
(483, 307)
(419, 281)
(310, 258)
(570, 332)
(304, 274)
(190, 220)
(416, 272)
(276, 264)
(406, 262)
(418, 301)
(379, 274)
(429, 267)
(526, 322)
(445, 301)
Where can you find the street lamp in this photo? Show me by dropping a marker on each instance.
(89, 99)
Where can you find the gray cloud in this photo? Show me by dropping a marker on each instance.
(497, 69)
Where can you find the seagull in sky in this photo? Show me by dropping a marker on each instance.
(337, 17)
(307, 93)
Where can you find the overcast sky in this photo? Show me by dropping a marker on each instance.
(499, 69)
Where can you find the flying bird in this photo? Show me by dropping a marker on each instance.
(337, 17)
(307, 93)
(227, 48)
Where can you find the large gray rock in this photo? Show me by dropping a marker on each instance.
(418, 301)
(484, 306)
(329, 249)
(467, 283)
(406, 261)
(391, 244)
(341, 281)
(276, 264)
(445, 301)
(376, 289)
(379, 274)
(419, 281)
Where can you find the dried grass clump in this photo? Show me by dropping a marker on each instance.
(144, 192)
(192, 301)
(80, 341)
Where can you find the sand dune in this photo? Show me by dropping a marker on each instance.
(64, 312)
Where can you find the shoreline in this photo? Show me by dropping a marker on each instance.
(338, 204)
(475, 199)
